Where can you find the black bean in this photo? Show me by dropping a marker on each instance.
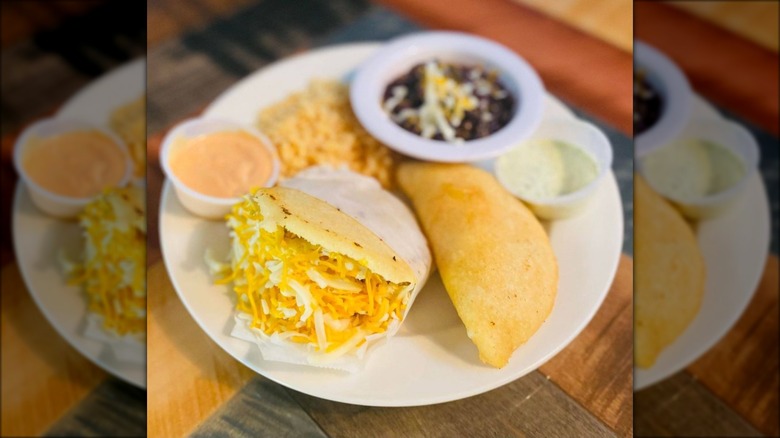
(647, 103)
(473, 125)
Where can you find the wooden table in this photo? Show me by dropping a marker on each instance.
(196, 388)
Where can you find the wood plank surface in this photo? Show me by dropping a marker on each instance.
(42, 376)
(609, 20)
(194, 69)
(114, 408)
(532, 406)
(754, 20)
(189, 377)
(680, 406)
(44, 70)
(21, 19)
(261, 409)
(602, 379)
(34, 84)
(168, 19)
(742, 369)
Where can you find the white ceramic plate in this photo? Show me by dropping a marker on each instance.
(431, 360)
(38, 238)
(735, 248)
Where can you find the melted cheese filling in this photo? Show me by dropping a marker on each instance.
(300, 292)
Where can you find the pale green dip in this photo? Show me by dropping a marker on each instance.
(691, 169)
(545, 169)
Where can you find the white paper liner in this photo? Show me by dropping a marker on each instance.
(362, 198)
(290, 352)
(128, 348)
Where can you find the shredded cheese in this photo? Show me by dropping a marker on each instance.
(300, 292)
(445, 102)
(112, 270)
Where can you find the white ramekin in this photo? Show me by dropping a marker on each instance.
(731, 136)
(209, 207)
(54, 204)
(398, 56)
(593, 142)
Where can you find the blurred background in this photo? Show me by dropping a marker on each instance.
(719, 376)
(50, 51)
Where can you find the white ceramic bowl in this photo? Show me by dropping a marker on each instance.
(676, 98)
(209, 207)
(54, 204)
(399, 55)
(593, 142)
(733, 137)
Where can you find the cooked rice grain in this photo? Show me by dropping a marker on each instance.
(317, 126)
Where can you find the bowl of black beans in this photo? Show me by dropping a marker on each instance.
(662, 99)
(447, 96)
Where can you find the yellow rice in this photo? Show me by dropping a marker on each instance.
(317, 126)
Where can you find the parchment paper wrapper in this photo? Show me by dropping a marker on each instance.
(363, 199)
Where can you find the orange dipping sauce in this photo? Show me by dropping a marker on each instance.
(79, 164)
(222, 164)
